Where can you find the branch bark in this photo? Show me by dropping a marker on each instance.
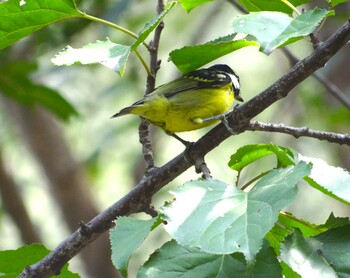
(158, 177)
(297, 132)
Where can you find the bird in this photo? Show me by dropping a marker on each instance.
(195, 100)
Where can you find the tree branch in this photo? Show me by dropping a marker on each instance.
(144, 131)
(331, 88)
(297, 132)
(158, 177)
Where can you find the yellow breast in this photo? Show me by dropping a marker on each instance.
(185, 110)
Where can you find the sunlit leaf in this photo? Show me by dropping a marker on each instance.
(271, 5)
(18, 21)
(188, 5)
(332, 181)
(250, 153)
(221, 219)
(107, 53)
(13, 262)
(275, 29)
(190, 58)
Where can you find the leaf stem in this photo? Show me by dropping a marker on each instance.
(125, 31)
(291, 6)
(254, 179)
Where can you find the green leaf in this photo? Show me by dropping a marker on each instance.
(126, 237)
(301, 26)
(221, 219)
(306, 255)
(332, 181)
(275, 29)
(250, 153)
(12, 262)
(336, 2)
(335, 248)
(150, 26)
(307, 229)
(190, 58)
(107, 53)
(174, 260)
(188, 5)
(271, 5)
(335, 222)
(16, 84)
(18, 21)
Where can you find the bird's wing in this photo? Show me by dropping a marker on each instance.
(198, 79)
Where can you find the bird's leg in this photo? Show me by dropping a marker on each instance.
(184, 142)
(217, 117)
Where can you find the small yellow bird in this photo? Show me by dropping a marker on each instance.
(189, 102)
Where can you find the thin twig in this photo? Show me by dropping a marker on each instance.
(331, 87)
(297, 132)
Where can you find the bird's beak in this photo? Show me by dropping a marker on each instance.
(239, 98)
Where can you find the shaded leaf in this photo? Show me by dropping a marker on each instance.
(336, 2)
(18, 21)
(107, 53)
(173, 260)
(16, 84)
(335, 248)
(305, 256)
(126, 237)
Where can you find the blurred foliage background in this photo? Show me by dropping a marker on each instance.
(64, 172)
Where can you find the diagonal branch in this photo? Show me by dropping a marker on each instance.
(142, 193)
(297, 132)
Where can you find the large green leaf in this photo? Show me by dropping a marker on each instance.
(173, 260)
(335, 248)
(16, 84)
(126, 237)
(274, 29)
(189, 58)
(107, 53)
(221, 219)
(326, 255)
(20, 20)
(13, 262)
(271, 5)
(332, 181)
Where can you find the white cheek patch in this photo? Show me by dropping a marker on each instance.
(235, 81)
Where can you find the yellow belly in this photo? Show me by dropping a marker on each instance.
(184, 111)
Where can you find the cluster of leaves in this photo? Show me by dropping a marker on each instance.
(219, 229)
